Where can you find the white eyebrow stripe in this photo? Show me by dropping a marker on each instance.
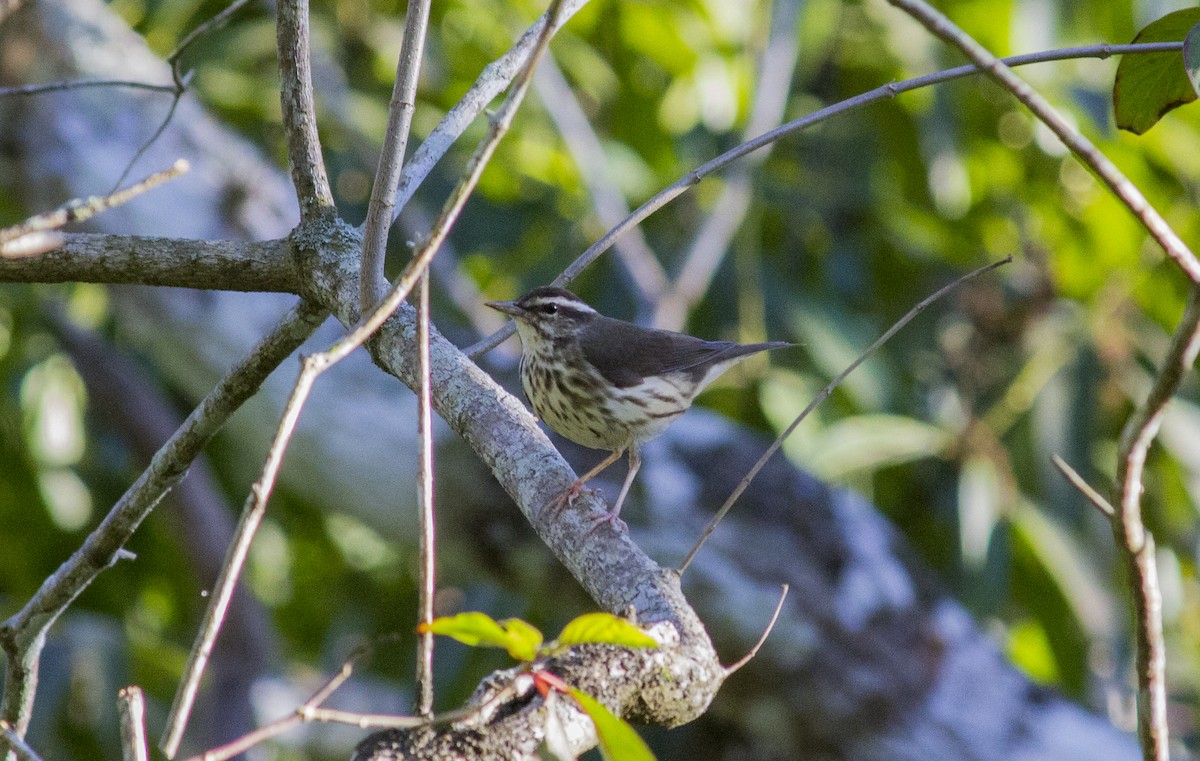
(560, 301)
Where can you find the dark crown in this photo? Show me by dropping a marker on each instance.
(559, 303)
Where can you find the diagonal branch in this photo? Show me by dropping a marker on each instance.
(312, 367)
(1128, 193)
(885, 92)
(708, 247)
(643, 267)
(495, 78)
(23, 635)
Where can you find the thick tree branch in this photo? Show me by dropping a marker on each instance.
(224, 265)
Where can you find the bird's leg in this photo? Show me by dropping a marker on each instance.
(575, 489)
(610, 517)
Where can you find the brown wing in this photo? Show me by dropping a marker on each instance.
(625, 353)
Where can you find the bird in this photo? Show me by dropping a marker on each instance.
(609, 384)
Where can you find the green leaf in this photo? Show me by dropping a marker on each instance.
(524, 639)
(604, 628)
(1148, 86)
(618, 740)
(519, 638)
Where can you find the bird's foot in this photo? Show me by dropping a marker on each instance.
(611, 519)
(568, 497)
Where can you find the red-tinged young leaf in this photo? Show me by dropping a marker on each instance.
(520, 639)
(618, 740)
(546, 680)
(1148, 86)
(1191, 56)
(603, 628)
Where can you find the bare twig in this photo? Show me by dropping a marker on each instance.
(1142, 427)
(710, 243)
(180, 80)
(311, 711)
(235, 557)
(83, 209)
(1129, 194)
(267, 731)
(299, 110)
(825, 392)
(1096, 498)
(491, 82)
(426, 574)
(311, 367)
(1131, 534)
(162, 127)
(23, 635)
(891, 90)
(391, 156)
(81, 84)
(131, 707)
(595, 170)
(212, 24)
(16, 744)
(737, 665)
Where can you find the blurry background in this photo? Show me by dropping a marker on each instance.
(949, 430)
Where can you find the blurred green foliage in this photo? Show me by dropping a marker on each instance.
(949, 429)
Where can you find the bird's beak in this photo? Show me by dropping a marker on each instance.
(508, 307)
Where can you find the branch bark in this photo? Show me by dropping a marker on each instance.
(221, 265)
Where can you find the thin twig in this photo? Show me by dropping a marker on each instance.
(212, 24)
(427, 554)
(596, 171)
(80, 210)
(891, 90)
(391, 156)
(235, 557)
(131, 708)
(1136, 438)
(1096, 498)
(824, 394)
(23, 635)
(495, 77)
(737, 665)
(162, 127)
(299, 110)
(80, 84)
(1083, 148)
(267, 731)
(311, 711)
(710, 243)
(16, 744)
(312, 367)
(180, 81)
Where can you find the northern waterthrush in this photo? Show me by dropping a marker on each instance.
(606, 383)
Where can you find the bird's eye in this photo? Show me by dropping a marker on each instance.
(549, 308)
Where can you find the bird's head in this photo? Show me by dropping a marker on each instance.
(546, 314)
